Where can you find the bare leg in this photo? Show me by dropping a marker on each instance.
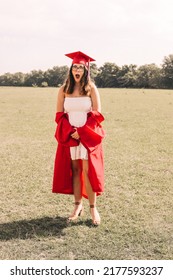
(76, 170)
(91, 195)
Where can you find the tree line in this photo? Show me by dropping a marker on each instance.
(110, 75)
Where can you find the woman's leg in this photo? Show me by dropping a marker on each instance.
(91, 195)
(76, 171)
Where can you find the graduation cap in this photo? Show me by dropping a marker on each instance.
(80, 58)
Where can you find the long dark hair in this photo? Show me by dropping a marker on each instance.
(84, 82)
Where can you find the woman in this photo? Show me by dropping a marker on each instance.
(78, 166)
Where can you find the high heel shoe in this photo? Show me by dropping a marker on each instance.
(95, 219)
(78, 211)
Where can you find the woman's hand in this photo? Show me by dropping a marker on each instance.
(75, 134)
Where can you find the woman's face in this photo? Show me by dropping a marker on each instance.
(77, 72)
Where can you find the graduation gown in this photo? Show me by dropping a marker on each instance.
(91, 136)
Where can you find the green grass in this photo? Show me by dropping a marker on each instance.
(137, 206)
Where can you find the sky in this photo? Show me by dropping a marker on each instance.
(35, 34)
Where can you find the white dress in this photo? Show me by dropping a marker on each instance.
(77, 109)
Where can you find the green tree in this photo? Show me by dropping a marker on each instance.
(154, 76)
(56, 76)
(148, 76)
(18, 79)
(6, 79)
(167, 71)
(127, 76)
(34, 78)
(93, 71)
(108, 75)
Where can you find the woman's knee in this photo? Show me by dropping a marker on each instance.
(76, 169)
(85, 167)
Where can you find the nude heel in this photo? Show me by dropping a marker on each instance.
(76, 213)
(95, 221)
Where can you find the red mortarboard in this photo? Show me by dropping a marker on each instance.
(80, 58)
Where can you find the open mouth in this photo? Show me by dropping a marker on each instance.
(77, 76)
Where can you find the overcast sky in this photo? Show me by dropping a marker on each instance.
(35, 34)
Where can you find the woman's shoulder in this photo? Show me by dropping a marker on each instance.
(61, 91)
(94, 90)
(61, 88)
(92, 85)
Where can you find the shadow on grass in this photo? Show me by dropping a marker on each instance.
(26, 229)
(41, 227)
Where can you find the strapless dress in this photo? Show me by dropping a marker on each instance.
(77, 109)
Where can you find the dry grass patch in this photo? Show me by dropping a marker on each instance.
(137, 205)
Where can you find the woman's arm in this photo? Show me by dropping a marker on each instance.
(60, 100)
(95, 98)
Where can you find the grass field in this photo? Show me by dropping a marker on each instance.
(137, 206)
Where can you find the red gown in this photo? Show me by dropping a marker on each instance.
(91, 136)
